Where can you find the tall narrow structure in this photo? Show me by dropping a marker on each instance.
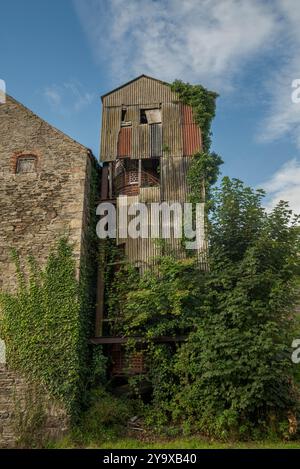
(148, 138)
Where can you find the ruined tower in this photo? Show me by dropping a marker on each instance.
(147, 141)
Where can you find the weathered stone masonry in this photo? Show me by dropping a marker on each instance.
(36, 208)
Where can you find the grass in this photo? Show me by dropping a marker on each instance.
(183, 443)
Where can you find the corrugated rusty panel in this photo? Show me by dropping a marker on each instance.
(145, 90)
(142, 149)
(172, 129)
(174, 186)
(124, 142)
(142, 252)
(191, 134)
(191, 139)
(187, 114)
(156, 140)
(111, 122)
(149, 194)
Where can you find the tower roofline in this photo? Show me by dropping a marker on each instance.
(132, 81)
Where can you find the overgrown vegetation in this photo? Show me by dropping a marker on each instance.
(233, 377)
(47, 322)
(43, 328)
(203, 103)
(229, 373)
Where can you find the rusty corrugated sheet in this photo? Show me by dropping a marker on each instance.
(172, 129)
(111, 122)
(124, 142)
(156, 140)
(178, 137)
(142, 148)
(191, 135)
(145, 90)
(174, 171)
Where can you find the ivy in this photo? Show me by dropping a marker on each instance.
(47, 322)
(203, 103)
(202, 175)
(42, 326)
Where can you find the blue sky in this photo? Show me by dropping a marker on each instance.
(58, 57)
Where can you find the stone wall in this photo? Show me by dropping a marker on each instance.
(21, 417)
(38, 207)
(44, 194)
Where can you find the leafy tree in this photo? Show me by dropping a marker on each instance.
(236, 370)
(234, 375)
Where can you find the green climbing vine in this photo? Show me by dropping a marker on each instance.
(42, 326)
(202, 175)
(203, 103)
(47, 322)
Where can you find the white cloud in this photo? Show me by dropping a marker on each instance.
(205, 41)
(68, 97)
(53, 95)
(285, 185)
(283, 115)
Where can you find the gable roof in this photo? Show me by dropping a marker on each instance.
(132, 81)
(29, 111)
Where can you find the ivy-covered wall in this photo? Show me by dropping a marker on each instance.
(48, 255)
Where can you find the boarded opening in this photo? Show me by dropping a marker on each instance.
(150, 116)
(26, 164)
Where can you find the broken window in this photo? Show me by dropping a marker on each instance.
(26, 164)
(150, 172)
(150, 116)
(143, 117)
(124, 121)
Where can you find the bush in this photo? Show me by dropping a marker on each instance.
(105, 419)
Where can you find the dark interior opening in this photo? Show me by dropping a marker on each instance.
(150, 172)
(143, 117)
(124, 112)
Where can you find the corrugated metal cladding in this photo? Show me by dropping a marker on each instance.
(147, 141)
(172, 129)
(144, 90)
(146, 93)
(173, 141)
(111, 122)
(140, 252)
(124, 142)
(191, 134)
(174, 171)
(155, 140)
